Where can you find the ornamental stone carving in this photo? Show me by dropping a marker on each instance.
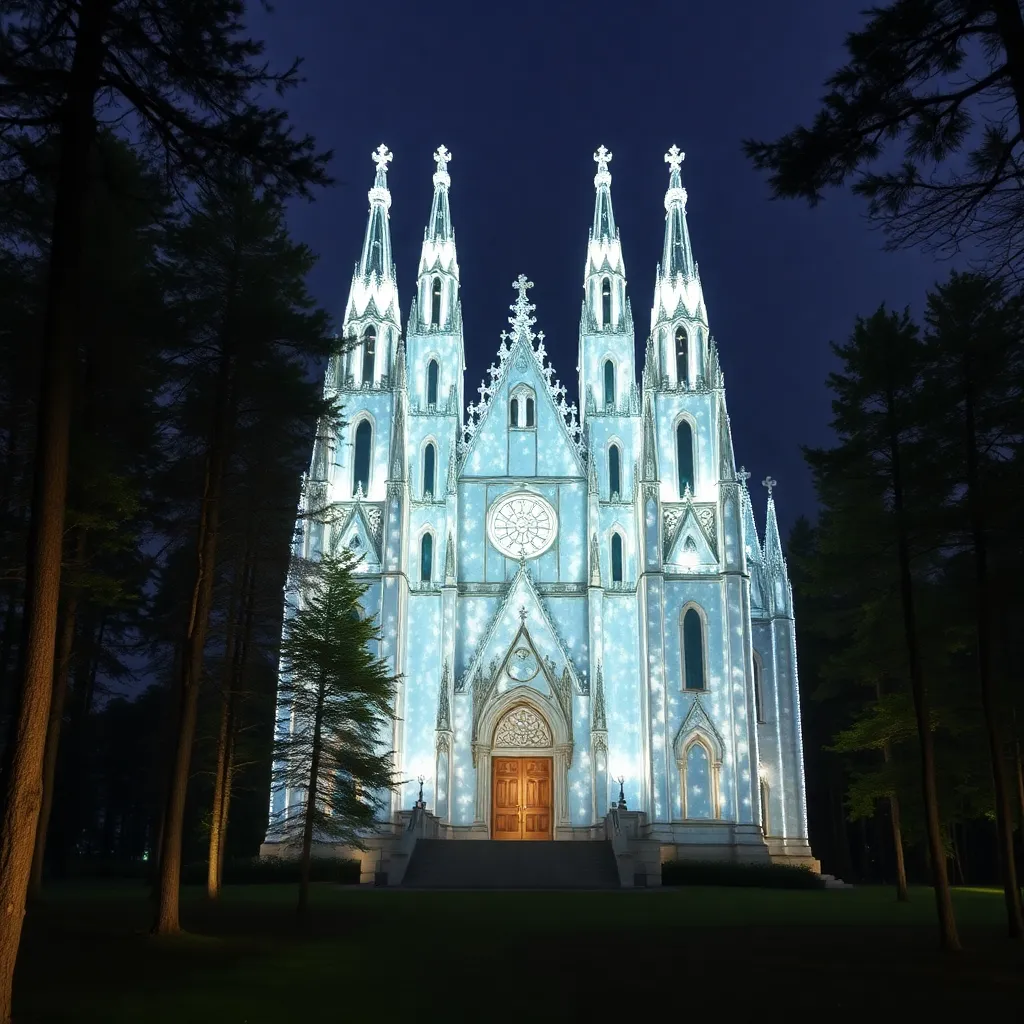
(522, 727)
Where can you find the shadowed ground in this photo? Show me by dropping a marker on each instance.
(468, 956)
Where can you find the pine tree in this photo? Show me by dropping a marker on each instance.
(940, 85)
(339, 697)
(874, 484)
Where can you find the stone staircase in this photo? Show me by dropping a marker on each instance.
(490, 864)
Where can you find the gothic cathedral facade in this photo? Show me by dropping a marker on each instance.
(578, 606)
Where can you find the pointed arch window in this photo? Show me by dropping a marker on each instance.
(693, 651)
(361, 461)
(522, 408)
(426, 557)
(614, 471)
(432, 372)
(682, 356)
(684, 456)
(616, 557)
(529, 412)
(699, 792)
(609, 383)
(513, 413)
(606, 302)
(429, 469)
(758, 699)
(435, 302)
(369, 354)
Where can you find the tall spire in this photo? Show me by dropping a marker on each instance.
(604, 251)
(437, 287)
(677, 291)
(753, 544)
(781, 594)
(374, 288)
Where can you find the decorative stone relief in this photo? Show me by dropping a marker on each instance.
(522, 727)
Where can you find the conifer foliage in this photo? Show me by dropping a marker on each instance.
(339, 696)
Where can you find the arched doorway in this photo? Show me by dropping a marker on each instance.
(522, 783)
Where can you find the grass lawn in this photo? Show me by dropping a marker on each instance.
(465, 956)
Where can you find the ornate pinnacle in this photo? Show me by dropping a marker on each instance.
(674, 157)
(522, 308)
(443, 158)
(769, 483)
(602, 158)
(382, 156)
(743, 475)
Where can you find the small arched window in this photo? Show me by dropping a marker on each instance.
(606, 302)
(435, 302)
(614, 474)
(616, 558)
(758, 701)
(369, 354)
(609, 383)
(429, 469)
(432, 382)
(699, 785)
(684, 456)
(693, 651)
(361, 461)
(513, 413)
(682, 356)
(529, 412)
(426, 557)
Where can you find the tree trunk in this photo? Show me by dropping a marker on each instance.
(948, 938)
(989, 697)
(23, 775)
(62, 669)
(307, 826)
(213, 875)
(902, 892)
(167, 917)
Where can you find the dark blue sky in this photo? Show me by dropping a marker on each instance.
(522, 94)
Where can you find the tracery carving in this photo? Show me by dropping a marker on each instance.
(522, 727)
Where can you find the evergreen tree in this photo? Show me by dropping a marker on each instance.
(339, 697)
(940, 85)
(874, 484)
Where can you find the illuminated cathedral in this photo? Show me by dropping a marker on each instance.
(583, 619)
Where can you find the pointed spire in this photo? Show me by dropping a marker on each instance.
(773, 557)
(595, 562)
(449, 561)
(604, 256)
(598, 722)
(726, 459)
(677, 291)
(751, 541)
(604, 219)
(444, 716)
(373, 283)
(649, 450)
(400, 367)
(440, 227)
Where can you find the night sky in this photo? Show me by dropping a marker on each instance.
(522, 94)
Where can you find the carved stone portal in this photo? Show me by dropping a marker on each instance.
(522, 728)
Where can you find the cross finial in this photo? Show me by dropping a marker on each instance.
(743, 475)
(602, 158)
(522, 321)
(521, 284)
(522, 612)
(769, 483)
(382, 156)
(443, 158)
(674, 157)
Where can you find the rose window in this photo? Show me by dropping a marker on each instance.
(522, 525)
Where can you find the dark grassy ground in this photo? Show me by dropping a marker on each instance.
(465, 956)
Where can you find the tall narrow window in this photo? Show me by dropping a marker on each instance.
(435, 302)
(684, 456)
(432, 382)
(426, 557)
(609, 382)
(693, 650)
(682, 356)
(758, 702)
(529, 412)
(513, 413)
(614, 482)
(606, 302)
(764, 807)
(369, 354)
(429, 468)
(616, 558)
(699, 794)
(361, 462)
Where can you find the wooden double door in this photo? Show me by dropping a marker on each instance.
(521, 798)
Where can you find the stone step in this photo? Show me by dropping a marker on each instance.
(492, 864)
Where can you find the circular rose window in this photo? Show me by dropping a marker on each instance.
(522, 525)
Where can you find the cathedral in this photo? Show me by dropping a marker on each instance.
(584, 621)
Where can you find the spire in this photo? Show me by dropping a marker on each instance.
(440, 227)
(436, 306)
(374, 288)
(604, 219)
(677, 291)
(649, 447)
(604, 256)
(753, 545)
(774, 561)
(726, 459)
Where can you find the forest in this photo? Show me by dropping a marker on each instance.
(161, 364)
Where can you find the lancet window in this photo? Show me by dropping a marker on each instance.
(369, 354)
(361, 460)
(432, 374)
(684, 456)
